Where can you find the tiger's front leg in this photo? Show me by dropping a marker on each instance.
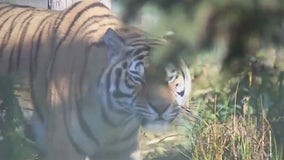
(59, 146)
(136, 155)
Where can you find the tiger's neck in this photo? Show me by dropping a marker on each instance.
(108, 131)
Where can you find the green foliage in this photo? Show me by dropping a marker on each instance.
(235, 50)
(236, 28)
(13, 144)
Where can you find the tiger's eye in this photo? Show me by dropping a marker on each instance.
(124, 65)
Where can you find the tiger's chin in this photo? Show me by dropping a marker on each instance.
(157, 126)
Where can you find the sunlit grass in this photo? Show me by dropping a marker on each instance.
(245, 137)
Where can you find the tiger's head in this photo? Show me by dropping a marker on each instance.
(135, 86)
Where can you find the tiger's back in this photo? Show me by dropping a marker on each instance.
(29, 31)
(21, 35)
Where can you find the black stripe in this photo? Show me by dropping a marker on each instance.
(127, 81)
(109, 102)
(10, 67)
(118, 93)
(70, 26)
(20, 14)
(35, 103)
(61, 19)
(106, 118)
(85, 65)
(140, 57)
(84, 125)
(67, 11)
(76, 146)
(183, 76)
(81, 30)
(108, 82)
(4, 22)
(132, 133)
(52, 53)
(139, 63)
(21, 40)
(32, 67)
(5, 39)
(109, 120)
(90, 32)
(39, 32)
(78, 15)
(83, 26)
(181, 93)
(36, 51)
(8, 10)
(138, 53)
(95, 30)
(32, 73)
(4, 5)
(66, 105)
(136, 79)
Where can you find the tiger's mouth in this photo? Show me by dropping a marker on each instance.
(157, 125)
(158, 122)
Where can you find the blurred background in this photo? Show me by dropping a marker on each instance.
(235, 52)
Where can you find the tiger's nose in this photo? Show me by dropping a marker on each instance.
(160, 109)
(160, 98)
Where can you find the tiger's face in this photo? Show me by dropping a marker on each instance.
(151, 93)
(156, 104)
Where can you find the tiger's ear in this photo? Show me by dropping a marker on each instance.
(114, 42)
(170, 36)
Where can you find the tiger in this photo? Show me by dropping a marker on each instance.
(92, 79)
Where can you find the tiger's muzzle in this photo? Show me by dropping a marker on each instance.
(157, 108)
